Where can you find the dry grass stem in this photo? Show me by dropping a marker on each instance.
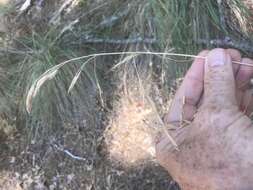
(182, 113)
(173, 142)
(187, 122)
(73, 82)
(25, 5)
(49, 74)
(98, 87)
(36, 87)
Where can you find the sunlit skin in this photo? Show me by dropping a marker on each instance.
(216, 149)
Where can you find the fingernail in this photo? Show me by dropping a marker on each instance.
(217, 57)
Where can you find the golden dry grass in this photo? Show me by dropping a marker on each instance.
(135, 121)
(129, 138)
(8, 181)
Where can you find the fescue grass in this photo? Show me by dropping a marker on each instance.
(53, 104)
(72, 106)
(178, 24)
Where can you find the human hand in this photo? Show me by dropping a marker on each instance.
(216, 149)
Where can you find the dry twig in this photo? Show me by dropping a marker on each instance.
(67, 152)
(228, 42)
(95, 40)
(221, 14)
(110, 21)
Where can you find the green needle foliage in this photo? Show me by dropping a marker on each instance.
(53, 105)
(183, 24)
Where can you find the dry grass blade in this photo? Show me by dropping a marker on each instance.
(73, 82)
(170, 138)
(137, 53)
(54, 19)
(49, 74)
(36, 87)
(125, 60)
(25, 6)
(164, 128)
(68, 27)
(99, 87)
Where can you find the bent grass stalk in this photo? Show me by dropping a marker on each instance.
(51, 73)
(74, 80)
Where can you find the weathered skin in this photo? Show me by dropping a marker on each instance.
(216, 149)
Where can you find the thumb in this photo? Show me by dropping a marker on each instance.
(219, 82)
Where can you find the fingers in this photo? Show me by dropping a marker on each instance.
(219, 82)
(220, 76)
(189, 93)
(244, 74)
(243, 82)
(246, 105)
(235, 56)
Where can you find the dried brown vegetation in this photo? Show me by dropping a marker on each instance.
(98, 130)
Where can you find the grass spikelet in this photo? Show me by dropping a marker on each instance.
(73, 82)
(36, 87)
